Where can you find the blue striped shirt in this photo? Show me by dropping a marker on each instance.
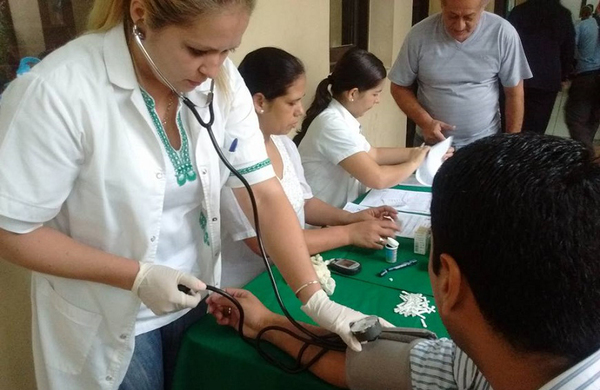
(441, 365)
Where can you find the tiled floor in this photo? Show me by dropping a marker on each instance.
(557, 124)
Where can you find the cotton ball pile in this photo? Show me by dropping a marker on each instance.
(414, 305)
(323, 273)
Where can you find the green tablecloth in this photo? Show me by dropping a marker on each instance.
(412, 279)
(214, 357)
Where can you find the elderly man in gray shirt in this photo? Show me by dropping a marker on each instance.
(459, 58)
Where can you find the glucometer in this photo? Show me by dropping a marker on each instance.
(345, 266)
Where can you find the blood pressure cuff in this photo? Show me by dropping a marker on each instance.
(384, 363)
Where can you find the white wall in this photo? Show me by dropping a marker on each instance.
(300, 27)
(575, 6)
(28, 26)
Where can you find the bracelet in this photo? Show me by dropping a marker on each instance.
(304, 286)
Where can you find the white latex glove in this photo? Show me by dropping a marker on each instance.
(156, 285)
(334, 317)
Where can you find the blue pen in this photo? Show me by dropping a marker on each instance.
(399, 266)
(233, 145)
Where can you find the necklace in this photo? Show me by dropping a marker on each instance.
(169, 104)
(184, 171)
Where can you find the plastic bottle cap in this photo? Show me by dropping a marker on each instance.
(393, 243)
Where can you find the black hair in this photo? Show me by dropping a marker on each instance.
(270, 71)
(586, 11)
(356, 69)
(520, 214)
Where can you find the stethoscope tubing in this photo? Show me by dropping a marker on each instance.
(316, 339)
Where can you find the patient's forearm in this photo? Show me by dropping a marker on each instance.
(331, 367)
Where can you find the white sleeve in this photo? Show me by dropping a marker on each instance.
(241, 124)
(40, 151)
(335, 142)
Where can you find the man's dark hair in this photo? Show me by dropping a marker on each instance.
(520, 214)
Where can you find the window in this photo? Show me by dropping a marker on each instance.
(33, 28)
(349, 27)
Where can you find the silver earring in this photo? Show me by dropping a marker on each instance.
(261, 111)
(351, 99)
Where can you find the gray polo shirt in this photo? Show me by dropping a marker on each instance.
(459, 81)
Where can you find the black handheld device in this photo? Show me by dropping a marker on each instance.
(345, 266)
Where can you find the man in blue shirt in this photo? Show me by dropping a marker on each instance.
(582, 110)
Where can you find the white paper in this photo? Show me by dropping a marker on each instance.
(401, 200)
(433, 162)
(409, 223)
(354, 208)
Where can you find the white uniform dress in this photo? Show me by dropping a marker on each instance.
(333, 136)
(240, 264)
(79, 152)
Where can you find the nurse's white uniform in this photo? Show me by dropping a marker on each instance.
(333, 136)
(79, 152)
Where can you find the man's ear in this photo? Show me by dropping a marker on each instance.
(450, 286)
(259, 102)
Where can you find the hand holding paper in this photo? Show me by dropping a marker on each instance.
(433, 161)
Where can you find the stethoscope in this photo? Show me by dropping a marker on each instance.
(324, 342)
(138, 36)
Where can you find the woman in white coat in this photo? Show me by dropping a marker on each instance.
(277, 81)
(110, 191)
(339, 163)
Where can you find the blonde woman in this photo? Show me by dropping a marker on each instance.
(109, 191)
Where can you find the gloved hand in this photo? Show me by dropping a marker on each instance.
(156, 285)
(334, 317)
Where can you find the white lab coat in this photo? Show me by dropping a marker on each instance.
(79, 152)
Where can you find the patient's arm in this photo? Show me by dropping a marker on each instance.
(331, 366)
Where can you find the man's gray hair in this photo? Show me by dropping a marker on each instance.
(483, 3)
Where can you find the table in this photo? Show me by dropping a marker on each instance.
(214, 357)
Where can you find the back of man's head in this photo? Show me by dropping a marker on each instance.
(520, 214)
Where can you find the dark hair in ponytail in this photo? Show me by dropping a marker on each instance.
(270, 71)
(356, 69)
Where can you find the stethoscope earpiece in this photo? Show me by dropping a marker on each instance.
(137, 31)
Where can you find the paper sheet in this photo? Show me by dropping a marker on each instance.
(401, 200)
(409, 223)
(429, 167)
(354, 208)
